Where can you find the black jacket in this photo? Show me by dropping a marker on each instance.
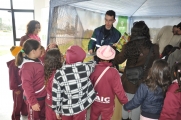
(99, 38)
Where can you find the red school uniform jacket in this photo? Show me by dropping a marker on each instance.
(49, 89)
(172, 104)
(32, 76)
(14, 78)
(108, 86)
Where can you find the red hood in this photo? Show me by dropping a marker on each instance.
(75, 54)
(10, 62)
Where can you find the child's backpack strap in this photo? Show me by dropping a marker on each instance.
(101, 76)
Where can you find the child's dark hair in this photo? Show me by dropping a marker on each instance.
(53, 60)
(111, 13)
(140, 38)
(179, 25)
(31, 26)
(159, 76)
(176, 74)
(28, 46)
(167, 50)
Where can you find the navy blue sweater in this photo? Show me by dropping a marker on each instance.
(151, 101)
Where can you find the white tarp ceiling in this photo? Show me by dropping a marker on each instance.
(131, 8)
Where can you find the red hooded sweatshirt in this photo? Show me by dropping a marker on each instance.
(32, 76)
(49, 89)
(172, 104)
(14, 78)
(109, 85)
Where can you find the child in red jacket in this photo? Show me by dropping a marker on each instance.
(107, 86)
(15, 85)
(172, 104)
(72, 90)
(53, 60)
(32, 76)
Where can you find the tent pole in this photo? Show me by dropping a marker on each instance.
(139, 7)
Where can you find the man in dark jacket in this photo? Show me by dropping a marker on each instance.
(105, 34)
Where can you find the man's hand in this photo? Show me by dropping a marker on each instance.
(36, 107)
(90, 51)
(115, 44)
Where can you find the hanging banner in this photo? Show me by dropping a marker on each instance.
(122, 24)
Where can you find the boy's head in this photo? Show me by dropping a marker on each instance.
(106, 52)
(75, 54)
(15, 50)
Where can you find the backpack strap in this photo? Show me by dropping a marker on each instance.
(148, 58)
(97, 81)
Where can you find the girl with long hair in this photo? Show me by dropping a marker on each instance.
(151, 93)
(32, 76)
(32, 30)
(136, 52)
(53, 61)
(172, 104)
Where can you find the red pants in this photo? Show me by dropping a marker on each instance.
(105, 113)
(19, 106)
(80, 116)
(36, 115)
(50, 114)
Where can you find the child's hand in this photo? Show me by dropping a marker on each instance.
(17, 92)
(58, 117)
(90, 51)
(36, 107)
(129, 110)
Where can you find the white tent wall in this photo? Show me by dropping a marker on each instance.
(155, 23)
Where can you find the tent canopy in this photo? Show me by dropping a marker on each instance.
(130, 8)
(78, 18)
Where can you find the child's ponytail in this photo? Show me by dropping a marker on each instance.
(19, 58)
(17, 51)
